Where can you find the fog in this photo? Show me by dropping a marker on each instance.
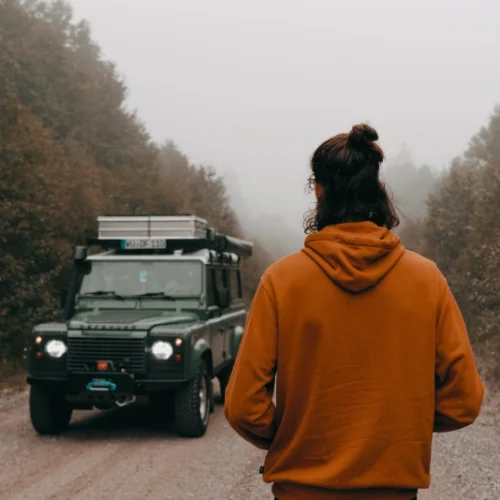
(166, 107)
(253, 87)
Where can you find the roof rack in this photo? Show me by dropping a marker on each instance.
(152, 226)
(164, 234)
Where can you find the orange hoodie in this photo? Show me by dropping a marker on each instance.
(368, 353)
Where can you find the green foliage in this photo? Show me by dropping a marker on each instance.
(69, 150)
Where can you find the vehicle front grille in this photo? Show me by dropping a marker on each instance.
(129, 353)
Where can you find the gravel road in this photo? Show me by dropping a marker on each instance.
(123, 455)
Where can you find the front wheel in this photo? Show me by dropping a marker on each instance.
(192, 404)
(49, 411)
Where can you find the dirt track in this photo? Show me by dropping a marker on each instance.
(122, 455)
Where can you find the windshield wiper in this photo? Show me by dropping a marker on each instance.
(163, 295)
(104, 293)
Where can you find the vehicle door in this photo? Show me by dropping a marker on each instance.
(217, 324)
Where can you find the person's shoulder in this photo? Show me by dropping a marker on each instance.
(419, 263)
(284, 266)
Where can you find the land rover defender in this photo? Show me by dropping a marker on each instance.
(152, 317)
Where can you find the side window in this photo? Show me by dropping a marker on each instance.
(225, 281)
(220, 278)
(240, 286)
(235, 284)
(210, 286)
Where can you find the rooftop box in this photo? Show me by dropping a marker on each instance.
(166, 227)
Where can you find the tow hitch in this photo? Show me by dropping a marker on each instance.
(125, 401)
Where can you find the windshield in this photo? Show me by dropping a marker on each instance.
(148, 278)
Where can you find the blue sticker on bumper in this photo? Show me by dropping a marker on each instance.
(101, 385)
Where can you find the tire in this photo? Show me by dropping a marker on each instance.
(223, 377)
(192, 404)
(50, 413)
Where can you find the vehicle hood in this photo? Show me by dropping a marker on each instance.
(356, 256)
(120, 319)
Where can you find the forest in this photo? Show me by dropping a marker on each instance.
(70, 150)
(453, 218)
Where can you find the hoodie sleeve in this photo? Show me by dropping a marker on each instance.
(249, 406)
(459, 390)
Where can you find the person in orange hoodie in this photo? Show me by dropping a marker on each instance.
(361, 341)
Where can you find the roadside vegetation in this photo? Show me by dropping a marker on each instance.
(453, 217)
(70, 150)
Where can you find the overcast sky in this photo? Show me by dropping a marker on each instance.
(254, 86)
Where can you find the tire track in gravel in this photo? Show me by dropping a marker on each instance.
(32, 460)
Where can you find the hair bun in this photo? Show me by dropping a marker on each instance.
(362, 136)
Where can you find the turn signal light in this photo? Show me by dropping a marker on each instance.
(178, 357)
(38, 355)
(102, 366)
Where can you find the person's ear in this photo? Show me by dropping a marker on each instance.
(318, 190)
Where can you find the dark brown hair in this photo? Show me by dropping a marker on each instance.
(347, 168)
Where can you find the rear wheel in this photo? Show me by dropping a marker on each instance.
(49, 411)
(192, 404)
(223, 377)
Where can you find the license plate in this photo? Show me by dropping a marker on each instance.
(144, 244)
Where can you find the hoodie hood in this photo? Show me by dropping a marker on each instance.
(357, 255)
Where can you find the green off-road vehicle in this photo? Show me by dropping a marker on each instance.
(152, 319)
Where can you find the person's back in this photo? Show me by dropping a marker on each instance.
(369, 347)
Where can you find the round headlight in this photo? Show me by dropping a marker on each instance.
(162, 350)
(55, 348)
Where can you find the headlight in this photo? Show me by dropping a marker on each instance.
(55, 348)
(162, 350)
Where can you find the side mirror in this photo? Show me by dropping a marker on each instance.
(63, 297)
(223, 298)
(79, 254)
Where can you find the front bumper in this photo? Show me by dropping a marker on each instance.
(78, 383)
